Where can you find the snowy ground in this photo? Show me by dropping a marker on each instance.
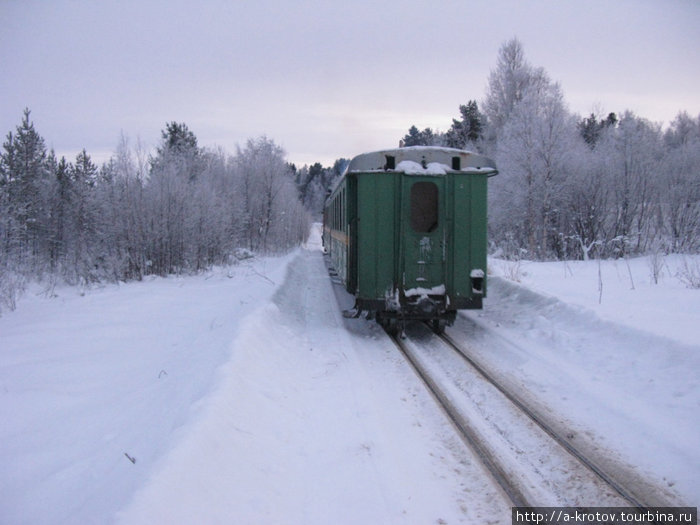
(87, 379)
(244, 397)
(620, 369)
(315, 423)
(622, 291)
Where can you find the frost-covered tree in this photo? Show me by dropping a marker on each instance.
(555, 198)
(267, 185)
(533, 155)
(181, 209)
(82, 242)
(632, 151)
(122, 219)
(315, 181)
(680, 185)
(508, 83)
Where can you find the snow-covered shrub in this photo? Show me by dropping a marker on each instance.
(689, 272)
(241, 254)
(656, 265)
(12, 285)
(512, 270)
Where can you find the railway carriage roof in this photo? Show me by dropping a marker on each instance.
(422, 160)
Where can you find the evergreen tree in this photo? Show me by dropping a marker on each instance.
(178, 152)
(412, 138)
(338, 168)
(25, 177)
(421, 138)
(61, 210)
(468, 129)
(591, 128)
(84, 171)
(178, 139)
(83, 218)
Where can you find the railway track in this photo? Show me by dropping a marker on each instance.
(534, 464)
(541, 422)
(468, 435)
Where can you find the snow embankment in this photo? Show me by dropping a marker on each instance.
(649, 294)
(95, 385)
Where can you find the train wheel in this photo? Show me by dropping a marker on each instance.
(391, 325)
(438, 325)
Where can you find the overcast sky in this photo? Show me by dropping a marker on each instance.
(324, 79)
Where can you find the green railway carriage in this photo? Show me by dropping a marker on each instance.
(405, 230)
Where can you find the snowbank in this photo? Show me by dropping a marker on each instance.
(95, 385)
(623, 291)
(621, 375)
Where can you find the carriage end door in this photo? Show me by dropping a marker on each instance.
(423, 232)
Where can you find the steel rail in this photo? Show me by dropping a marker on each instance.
(546, 427)
(471, 439)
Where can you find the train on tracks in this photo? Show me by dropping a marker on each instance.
(405, 231)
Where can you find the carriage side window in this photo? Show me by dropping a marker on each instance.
(342, 210)
(424, 207)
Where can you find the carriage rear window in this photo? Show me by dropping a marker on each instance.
(424, 207)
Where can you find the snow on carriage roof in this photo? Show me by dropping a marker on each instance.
(425, 156)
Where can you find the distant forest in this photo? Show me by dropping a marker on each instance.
(574, 187)
(569, 187)
(181, 209)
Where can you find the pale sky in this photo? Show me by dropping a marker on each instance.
(324, 79)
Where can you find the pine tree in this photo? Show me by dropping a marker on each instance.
(60, 211)
(84, 212)
(412, 138)
(178, 152)
(421, 138)
(84, 171)
(468, 129)
(25, 175)
(590, 128)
